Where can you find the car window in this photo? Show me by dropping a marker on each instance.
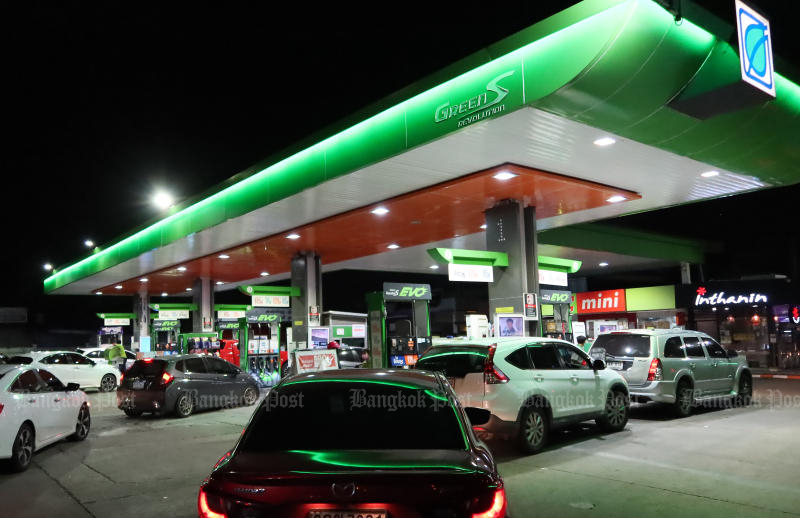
(520, 358)
(693, 347)
(714, 349)
(77, 359)
(20, 360)
(622, 344)
(399, 417)
(27, 382)
(573, 358)
(51, 382)
(146, 369)
(673, 348)
(217, 366)
(543, 357)
(54, 359)
(195, 365)
(130, 355)
(95, 354)
(452, 362)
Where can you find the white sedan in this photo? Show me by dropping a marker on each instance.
(36, 409)
(96, 354)
(71, 367)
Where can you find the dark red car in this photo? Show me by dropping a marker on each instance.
(358, 443)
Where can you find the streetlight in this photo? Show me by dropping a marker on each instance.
(163, 200)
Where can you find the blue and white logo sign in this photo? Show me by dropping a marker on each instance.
(755, 48)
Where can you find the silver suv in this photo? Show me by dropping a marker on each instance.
(678, 367)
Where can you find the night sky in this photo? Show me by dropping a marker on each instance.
(106, 103)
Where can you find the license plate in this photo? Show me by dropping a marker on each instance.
(138, 385)
(346, 513)
(617, 366)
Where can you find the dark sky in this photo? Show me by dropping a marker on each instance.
(106, 102)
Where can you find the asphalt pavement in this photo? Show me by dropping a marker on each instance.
(719, 462)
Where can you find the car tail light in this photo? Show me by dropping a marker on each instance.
(654, 374)
(121, 377)
(166, 378)
(491, 374)
(498, 508)
(204, 509)
(148, 360)
(224, 459)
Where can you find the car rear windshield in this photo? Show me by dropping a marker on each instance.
(324, 415)
(20, 360)
(454, 362)
(623, 344)
(143, 369)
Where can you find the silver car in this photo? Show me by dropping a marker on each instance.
(677, 367)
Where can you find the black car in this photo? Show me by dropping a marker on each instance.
(183, 384)
(358, 442)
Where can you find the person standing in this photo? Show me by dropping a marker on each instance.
(581, 342)
(116, 356)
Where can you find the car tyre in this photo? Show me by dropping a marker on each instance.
(533, 429)
(684, 399)
(22, 449)
(250, 396)
(744, 395)
(184, 406)
(616, 412)
(132, 413)
(83, 425)
(108, 383)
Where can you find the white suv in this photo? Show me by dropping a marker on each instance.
(675, 366)
(531, 385)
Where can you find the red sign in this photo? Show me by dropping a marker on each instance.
(607, 301)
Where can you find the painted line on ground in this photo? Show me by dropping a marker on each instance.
(778, 376)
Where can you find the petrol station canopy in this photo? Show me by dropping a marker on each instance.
(521, 119)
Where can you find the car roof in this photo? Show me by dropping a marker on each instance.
(422, 379)
(653, 332)
(501, 342)
(177, 357)
(38, 354)
(5, 368)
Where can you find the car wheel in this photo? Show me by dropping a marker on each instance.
(184, 406)
(684, 399)
(83, 424)
(132, 413)
(250, 396)
(22, 450)
(108, 383)
(616, 414)
(745, 393)
(533, 429)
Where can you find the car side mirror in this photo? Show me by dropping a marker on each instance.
(477, 416)
(72, 387)
(598, 365)
(732, 353)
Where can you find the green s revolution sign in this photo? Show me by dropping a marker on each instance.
(477, 107)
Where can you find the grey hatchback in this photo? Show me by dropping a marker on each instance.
(183, 384)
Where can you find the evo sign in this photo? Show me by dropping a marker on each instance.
(755, 48)
(703, 298)
(556, 296)
(470, 272)
(173, 314)
(404, 291)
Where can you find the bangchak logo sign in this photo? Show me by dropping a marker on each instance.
(755, 48)
(477, 107)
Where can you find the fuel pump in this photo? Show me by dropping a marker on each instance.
(262, 339)
(399, 324)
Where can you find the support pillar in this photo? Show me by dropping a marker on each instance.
(306, 275)
(686, 273)
(203, 297)
(510, 228)
(141, 324)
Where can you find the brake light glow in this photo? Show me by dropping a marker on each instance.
(498, 508)
(491, 374)
(204, 510)
(654, 373)
(121, 377)
(148, 360)
(166, 378)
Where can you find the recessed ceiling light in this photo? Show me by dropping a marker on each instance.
(219, 283)
(709, 174)
(616, 199)
(48, 266)
(143, 279)
(181, 268)
(393, 246)
(293, 236)
(604, 141)
(118, 287)
(483, 227)
(224, 256)
(380, 211)
(89, 243)
(264, 274)
(504, 175)
(434, 267)
(188, 289)
(164, 294)
(99, 293)
(603, 265)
